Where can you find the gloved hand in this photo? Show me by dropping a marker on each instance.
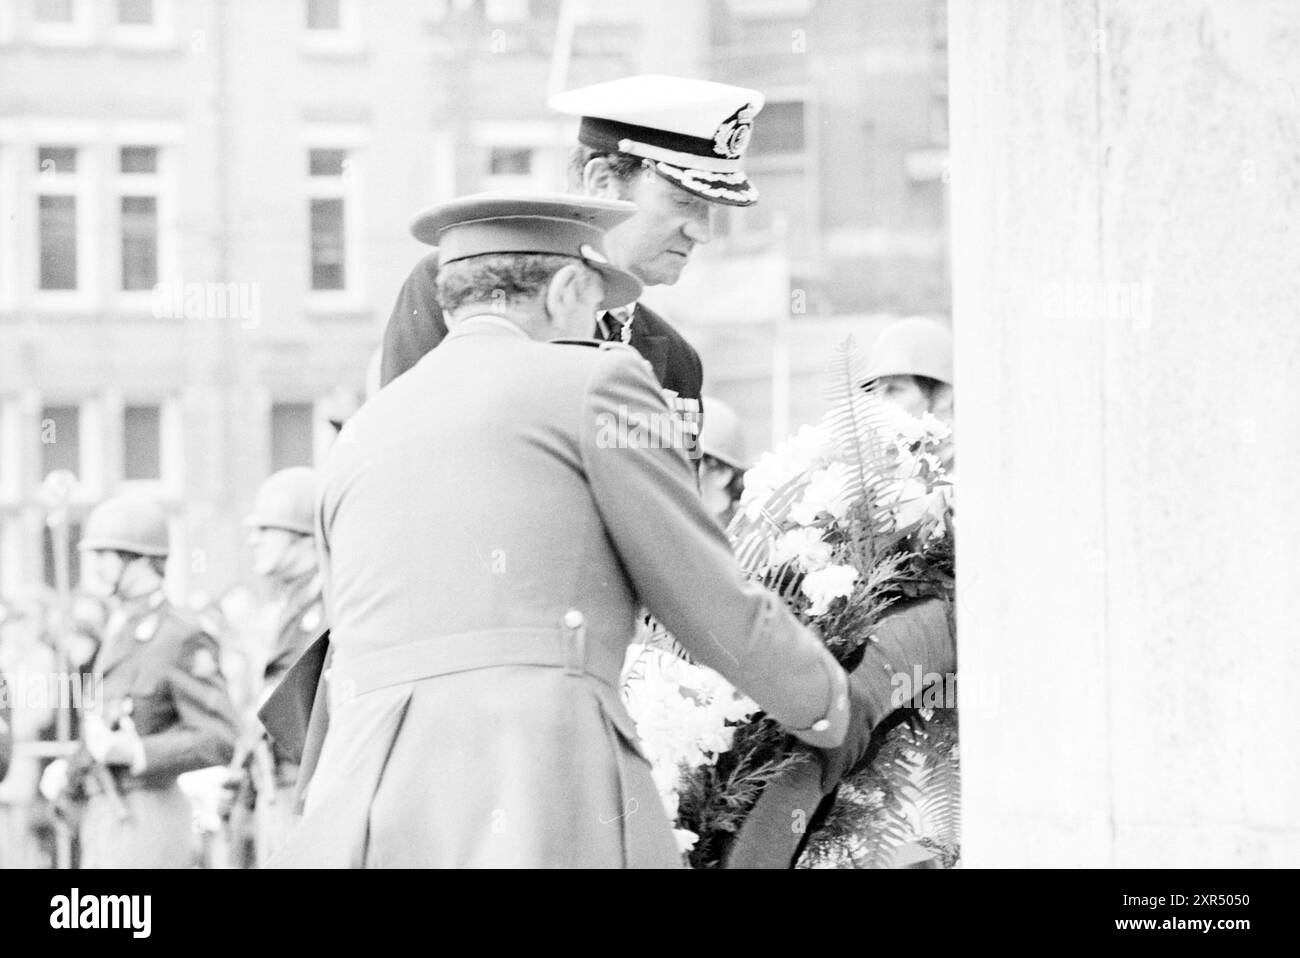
(54, 780)
(109, 747)
(916, 635)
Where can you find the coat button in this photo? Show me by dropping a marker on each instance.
(821, 725)
(573, 619)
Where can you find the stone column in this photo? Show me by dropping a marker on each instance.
(1126, 278)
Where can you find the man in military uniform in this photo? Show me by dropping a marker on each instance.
(282, 538)
(162, 708)
(672, 146)
(488, 537)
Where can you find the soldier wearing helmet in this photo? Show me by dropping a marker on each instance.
(282, 538)
(722, 461)
(160, 706)
(911, 364)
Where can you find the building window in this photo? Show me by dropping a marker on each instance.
(510, 161)
(144, 198)
(139, 242)
(52, 161)
(142, 442)
(324, 15)
(326, 162)
(779, 129)
(328, 249)
(139, 220)
(333, 26)
(332, 224)
(58, 242)
(291, 435)
(517, 155)
(60, 436)
(138, 159)
(54, 11)
(137, 13)
(61, 209)
(143, 23)
(61, 22)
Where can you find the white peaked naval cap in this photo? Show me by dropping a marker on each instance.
(693, 132)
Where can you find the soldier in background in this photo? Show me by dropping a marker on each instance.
(162, 708)
(282, 537)
(723, 461)
(911, 366)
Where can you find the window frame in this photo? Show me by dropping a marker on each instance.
(79, 32)
(346, 40)
(349, 188)
(171, 443)
(161, 186)
(546, 141)
(81, 186)
(160, 34)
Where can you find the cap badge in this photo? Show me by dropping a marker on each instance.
(734, 132)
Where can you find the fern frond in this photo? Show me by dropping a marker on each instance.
(860, 423)
(751, 537)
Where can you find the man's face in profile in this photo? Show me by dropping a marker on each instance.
(657, 241)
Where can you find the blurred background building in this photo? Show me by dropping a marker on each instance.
(203, 209)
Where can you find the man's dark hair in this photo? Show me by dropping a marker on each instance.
(623, 166)
(496, 279)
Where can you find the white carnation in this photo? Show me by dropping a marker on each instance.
(826, 585)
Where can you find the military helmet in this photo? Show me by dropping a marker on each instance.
(286, 500)
(721, 436)
(916, 346)
(127, 524)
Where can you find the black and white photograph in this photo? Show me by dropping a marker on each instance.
(521, 434)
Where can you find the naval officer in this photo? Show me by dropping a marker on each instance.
(674, 147)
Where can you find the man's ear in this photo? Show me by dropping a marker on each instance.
(563, 290)
(598, 179)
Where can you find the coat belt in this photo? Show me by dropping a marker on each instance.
(563, 648)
